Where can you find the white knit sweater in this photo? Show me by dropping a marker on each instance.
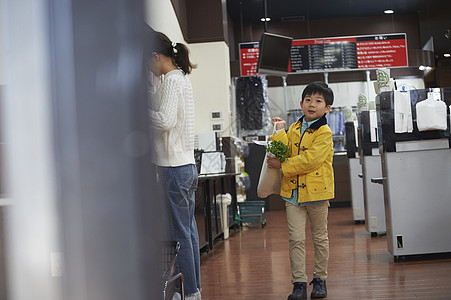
(172, 118)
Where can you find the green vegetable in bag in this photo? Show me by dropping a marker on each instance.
(279, 150)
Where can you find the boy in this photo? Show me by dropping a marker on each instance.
(308, 185)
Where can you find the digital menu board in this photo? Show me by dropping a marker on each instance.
(347, 53)
(336, 54)
(322, 54)
(249, 58)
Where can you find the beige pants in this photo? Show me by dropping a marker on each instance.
(297, 218)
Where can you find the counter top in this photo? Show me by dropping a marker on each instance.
(216, 175)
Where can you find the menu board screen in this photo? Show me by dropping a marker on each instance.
(347, 53)
(249, 58)
(321, 54)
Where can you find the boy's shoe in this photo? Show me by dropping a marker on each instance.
(319, 288)
(299, 291)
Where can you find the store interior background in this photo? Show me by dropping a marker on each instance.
(212, 30)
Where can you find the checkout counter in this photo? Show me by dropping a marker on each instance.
(355, 169)
(371, 168)
(416, 180)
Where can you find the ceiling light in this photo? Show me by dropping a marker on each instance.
(447, 55)
(265, 19)
(389, 11)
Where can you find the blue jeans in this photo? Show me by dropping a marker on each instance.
(180, 184)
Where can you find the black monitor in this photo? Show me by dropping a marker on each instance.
(274, 54)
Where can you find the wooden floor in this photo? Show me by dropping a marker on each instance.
(254, 264)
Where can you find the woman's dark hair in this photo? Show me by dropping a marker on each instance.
(321, 88)
(179, 53)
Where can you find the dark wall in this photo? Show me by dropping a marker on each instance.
(251, 32)
(202, 20)
(342, 183)
(444, 72)
(408, 24)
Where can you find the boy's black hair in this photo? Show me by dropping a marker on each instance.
(321, 88)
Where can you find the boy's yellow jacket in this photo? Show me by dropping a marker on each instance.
(309, 167)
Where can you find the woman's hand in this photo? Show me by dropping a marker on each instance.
(273, 162)
(280, 123)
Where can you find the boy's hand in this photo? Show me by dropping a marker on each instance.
(273, 162)
(280, 123)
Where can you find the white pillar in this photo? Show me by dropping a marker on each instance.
(368, 84)
(33, 225)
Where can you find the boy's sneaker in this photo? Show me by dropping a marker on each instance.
(299, 291)
(319, 288)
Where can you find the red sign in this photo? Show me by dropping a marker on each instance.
(249, 58)
(336, 54)
(382, 53)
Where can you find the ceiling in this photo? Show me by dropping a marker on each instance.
(434, 15)
(253, 10)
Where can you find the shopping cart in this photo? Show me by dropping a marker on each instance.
(168, 257)
(252, 212)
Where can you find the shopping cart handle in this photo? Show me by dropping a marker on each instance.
(378, 180)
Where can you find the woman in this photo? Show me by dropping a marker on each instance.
(172, 119)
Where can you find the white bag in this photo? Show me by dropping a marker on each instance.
(269, 182)
(431, 115)
(270, 179)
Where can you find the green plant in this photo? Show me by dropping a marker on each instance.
(279, 150)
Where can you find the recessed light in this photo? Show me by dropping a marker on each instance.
(389, 11)
(447, 55)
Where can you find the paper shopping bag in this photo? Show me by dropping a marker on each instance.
(269, 182)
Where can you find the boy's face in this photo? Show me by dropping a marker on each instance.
(314, 107)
